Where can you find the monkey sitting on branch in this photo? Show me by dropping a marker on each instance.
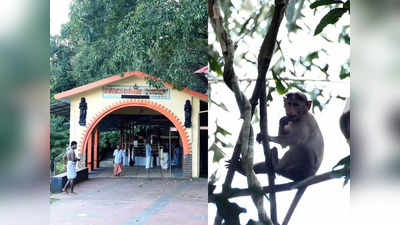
(300, 131)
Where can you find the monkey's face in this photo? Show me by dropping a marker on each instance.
(295, 108)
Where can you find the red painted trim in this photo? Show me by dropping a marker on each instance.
(89, 152)
(87, 87)
(95, 149)
(143, 103)
(115, 78)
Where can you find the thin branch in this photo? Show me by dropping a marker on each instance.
(267, 49)
(259, 93)
(245, 140)
(237, 192)
(218, 79)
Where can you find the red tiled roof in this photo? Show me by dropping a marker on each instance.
(115, 78)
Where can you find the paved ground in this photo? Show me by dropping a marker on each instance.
(137, 172)
(106, 170)
(127, 200)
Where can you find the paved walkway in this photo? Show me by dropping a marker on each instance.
(136, 172)
(127, 200)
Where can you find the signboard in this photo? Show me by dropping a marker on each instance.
(138, 92)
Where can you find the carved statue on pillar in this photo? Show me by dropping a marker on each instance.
(83, 109)
(188, 114)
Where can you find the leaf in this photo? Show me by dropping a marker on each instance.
(269, 96)
(330, 18)
(221, 105)
(222, 131)
(325, 69)
(313, 55)
(346, 5)
(323, 2)
(218, 153)
(344, 73)
(215, 66)
(278, 83)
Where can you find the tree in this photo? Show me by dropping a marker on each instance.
(234, 35)
(163, 38)
(59, 140)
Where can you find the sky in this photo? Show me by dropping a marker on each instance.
(59, 10)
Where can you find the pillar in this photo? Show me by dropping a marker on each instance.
(89, 152)
(96, 149)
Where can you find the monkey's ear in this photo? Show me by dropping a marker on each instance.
(309, 105)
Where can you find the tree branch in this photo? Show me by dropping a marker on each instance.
(246, 137)
(283, 78)
(259, 93)
(237, 192)
(267, 49)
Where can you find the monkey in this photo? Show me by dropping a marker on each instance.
(300, 131)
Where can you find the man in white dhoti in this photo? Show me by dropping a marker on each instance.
(70, 162)
(148, 156)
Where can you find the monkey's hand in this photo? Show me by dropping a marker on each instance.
(259, 137)
(284, 121)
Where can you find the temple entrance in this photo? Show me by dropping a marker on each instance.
(128, 127)
(125, 109)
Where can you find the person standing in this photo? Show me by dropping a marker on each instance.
(121, 153)
(117, 161)
(70, 159)
(148, 156)
(177, 156)
(125, 156)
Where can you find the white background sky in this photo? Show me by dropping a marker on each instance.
(59, 10)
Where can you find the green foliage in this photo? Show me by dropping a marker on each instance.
(109, 139)
(60, 167)
(218, 153)
(60, 65)
(344, 72)
(324, 2)
(330, 18)
(333, 15)
(59, 137)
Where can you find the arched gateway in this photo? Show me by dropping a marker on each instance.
(106, 97)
